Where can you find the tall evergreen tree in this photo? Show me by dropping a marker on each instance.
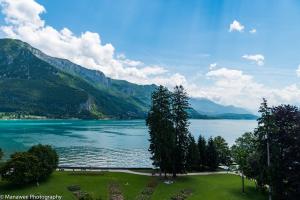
(159, 122)
(265, 127)
(193, 163)
(180, 105)
(202, 153)
(212, 155)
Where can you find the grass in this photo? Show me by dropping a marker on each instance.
(210, 187)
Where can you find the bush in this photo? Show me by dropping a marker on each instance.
(27, 167)
(73, 188)
(21, 169)
(48, 159)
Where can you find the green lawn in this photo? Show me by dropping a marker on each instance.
(218, 187)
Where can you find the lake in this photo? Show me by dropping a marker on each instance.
(105, 143)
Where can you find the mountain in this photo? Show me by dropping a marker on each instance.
(208, 107)
(33, 83)
(29, 84)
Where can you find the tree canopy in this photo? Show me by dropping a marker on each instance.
(1, 154)
(32, 166)
(271, 155)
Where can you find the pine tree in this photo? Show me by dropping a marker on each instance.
(180, 105)
(159, 122)
(265, 127)
(202, 153)
(193, 155)
(212, 155)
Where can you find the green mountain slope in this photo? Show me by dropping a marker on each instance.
(32, 86)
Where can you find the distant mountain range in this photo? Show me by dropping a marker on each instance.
(35, 84)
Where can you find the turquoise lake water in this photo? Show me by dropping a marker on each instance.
(107, 143)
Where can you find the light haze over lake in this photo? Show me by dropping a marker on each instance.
(105, 143)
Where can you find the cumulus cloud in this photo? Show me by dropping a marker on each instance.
(212, 66)
(257, 58)
(252, 31)
(298, 71)
(24, 22)
(236, 26)
(228, 86)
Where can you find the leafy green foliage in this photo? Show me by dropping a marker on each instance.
(21, 169)
(242, 152)
(284, 142)
(223, 151)
(28, 167)
(271, 154)
(47, 159)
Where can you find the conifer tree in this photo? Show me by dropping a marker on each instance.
(193, 163)
(180, 105)
(202, 152)
(159, 122)
(212, 155)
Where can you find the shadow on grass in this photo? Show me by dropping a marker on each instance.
(7, 186)
(250, 193)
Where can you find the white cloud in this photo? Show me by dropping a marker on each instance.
(212, 66)
(236, 26)
(23, 21)
(257, 58)
(298, 71)
(20, 12)
(252, 31)
(232, 86)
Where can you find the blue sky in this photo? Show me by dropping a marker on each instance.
(177, 34)
(186, 37)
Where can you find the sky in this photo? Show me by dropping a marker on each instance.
(230, 51)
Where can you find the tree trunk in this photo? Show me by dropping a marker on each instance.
(174, 175)
(243, 183)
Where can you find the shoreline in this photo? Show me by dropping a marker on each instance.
(132, 171)
(106, 119)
